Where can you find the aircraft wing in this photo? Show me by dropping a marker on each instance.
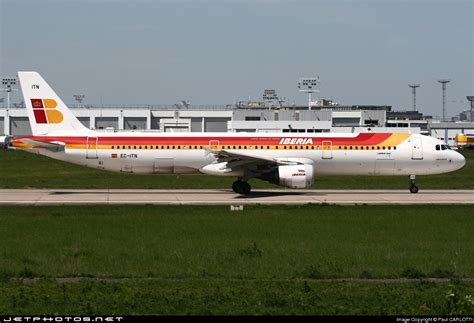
(235, 161)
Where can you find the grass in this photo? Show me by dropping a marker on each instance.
(19, 169)
(233, 298)
(263, 242)
(209, 260)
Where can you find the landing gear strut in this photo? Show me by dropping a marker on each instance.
(413, 187)
(241, 187)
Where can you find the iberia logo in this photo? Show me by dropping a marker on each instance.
(45, 111)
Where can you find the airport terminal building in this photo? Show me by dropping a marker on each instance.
(247, 118)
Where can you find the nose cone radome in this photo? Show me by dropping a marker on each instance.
(458, 160)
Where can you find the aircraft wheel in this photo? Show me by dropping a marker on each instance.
(247, 188)
(241, 187)
(413, 189)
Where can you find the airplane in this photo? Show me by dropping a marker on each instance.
(291, 160)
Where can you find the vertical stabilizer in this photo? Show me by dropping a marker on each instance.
(46, 111)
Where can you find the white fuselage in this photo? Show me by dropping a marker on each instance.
(329, 153)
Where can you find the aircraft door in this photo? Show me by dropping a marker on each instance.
(327, 149)
(91, 147)
(417, 148)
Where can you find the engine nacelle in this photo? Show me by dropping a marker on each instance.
(5, 141)
(292, 176)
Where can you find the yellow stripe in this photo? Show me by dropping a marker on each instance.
(395, 139)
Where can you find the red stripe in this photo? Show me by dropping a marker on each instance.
(40, 116)
(38, 110)
(362, 139)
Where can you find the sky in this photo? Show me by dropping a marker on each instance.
(218, 52)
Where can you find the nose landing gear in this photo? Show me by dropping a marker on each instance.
(241, 187)
(413, 187)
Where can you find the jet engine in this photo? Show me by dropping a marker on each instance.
(5, 141)
(292, 176)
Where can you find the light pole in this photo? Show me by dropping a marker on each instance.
(413, 90)
(79, 98)
(269, 96)
(470, 98)
(443, 87)
(309, 85)
(8, 85)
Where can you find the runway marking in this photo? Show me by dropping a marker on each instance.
(227, 197)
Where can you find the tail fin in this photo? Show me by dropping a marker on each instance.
(47, 112)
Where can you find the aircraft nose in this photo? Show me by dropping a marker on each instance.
(459, 160)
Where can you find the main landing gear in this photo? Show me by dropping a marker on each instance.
(241, 187)
(413, 187)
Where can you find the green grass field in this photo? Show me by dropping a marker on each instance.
(209, 260)
(23, 170)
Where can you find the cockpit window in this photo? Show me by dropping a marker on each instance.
(442, 147)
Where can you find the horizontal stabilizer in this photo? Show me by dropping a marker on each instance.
(52, 146)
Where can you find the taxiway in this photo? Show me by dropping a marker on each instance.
(227, 197)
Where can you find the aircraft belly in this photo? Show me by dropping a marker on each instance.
(346, 163)
(149, 162)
